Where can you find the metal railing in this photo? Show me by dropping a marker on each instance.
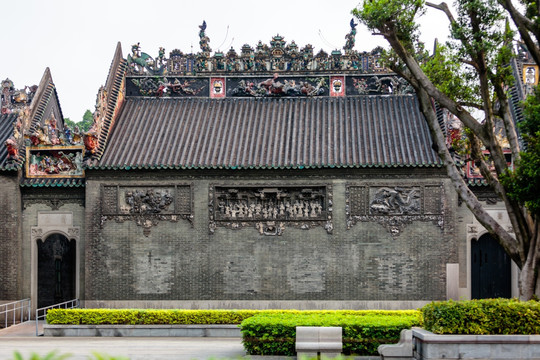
(15, 312)
(41, 313)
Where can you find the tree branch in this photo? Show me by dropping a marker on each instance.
(470, 104)
(444, 8)
(509, 243)
(478, 157)
(471, 63)
(516, 15)
(524, 25)
(466, 118)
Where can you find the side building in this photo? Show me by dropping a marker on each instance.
(273, 178)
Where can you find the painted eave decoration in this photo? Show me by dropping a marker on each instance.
(54, 161)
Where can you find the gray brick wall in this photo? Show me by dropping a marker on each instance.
(178, 261)
(10, 238)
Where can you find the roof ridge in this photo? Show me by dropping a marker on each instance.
(114, 88)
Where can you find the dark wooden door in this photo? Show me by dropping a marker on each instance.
(56, 270)
(490, 269)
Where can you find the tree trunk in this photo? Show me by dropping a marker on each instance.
(528, 279)
(528, 282)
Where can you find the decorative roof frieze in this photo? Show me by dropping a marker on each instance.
(274, 86)
(278, 56)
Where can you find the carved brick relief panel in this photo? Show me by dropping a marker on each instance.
(394, 206)
(270, 209)
(54, 202)
(146, 205)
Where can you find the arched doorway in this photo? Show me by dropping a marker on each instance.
(490, 269)
(56, 270)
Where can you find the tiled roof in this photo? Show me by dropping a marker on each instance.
(361, 131)
(52, 182)
(44, 99)
(6, 131)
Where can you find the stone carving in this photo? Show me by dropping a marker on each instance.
(270, 228)
(109, 200)
(146, 205)
(37, 233)
(394, 207)
(270, 209)
(74, 232)
(55, 203)
(395, 201)
(146, 201)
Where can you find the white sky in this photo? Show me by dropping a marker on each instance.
(77, 39)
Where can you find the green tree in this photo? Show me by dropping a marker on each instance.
(87, 121)
(468, 76)
(69, 122)
(84, 125)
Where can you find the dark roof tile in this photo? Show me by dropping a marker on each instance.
(380, 131)
(6, 131)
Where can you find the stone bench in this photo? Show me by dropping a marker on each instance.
(314, 340)
(403, 350)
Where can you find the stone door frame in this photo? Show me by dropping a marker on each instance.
(49, 223)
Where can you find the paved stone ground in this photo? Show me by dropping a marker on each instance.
(132, 348)
(22, 338)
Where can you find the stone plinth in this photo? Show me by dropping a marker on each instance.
(429, 346)
(143, 330)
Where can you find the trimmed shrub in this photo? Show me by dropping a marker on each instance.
(482, 317)
(146, 316)
(180, 317)
(363, 332)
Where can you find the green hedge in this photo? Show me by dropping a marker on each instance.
(363, 331)
(146, 316)
(480, 317)
(177, 316)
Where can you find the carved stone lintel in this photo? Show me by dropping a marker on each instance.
(54, 204)
(42, 233)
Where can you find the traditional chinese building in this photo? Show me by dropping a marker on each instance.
(270, 177)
